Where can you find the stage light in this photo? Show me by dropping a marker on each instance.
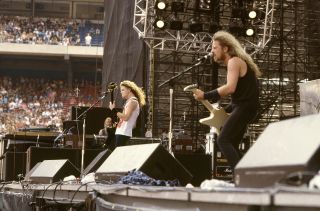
(205, 4)
(252, 14)
(159, 23)
(161, 5)
(249, 32)
(177, 6)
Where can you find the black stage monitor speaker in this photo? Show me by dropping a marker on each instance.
(199, 166)
(97, 161)
(50, 171)
(152, 159)
(284, 148)
(28, 174)
(14, 163)
(38, 154)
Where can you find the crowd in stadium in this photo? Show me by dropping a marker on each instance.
(52, 31)
(37, 102)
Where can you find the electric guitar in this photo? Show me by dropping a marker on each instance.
(218, 115)
(111, 87)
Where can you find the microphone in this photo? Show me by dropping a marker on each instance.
(69, 130)
(205, 57)
(58, 137)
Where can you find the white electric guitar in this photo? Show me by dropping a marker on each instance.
(218, 115)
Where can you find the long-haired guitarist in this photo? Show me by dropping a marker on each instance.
(242, 85)
(135, 98)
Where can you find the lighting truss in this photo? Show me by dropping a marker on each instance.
(175, 40)
(185, 41)
(265, 26)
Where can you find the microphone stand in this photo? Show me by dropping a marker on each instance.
(83, 114)
(170, 82)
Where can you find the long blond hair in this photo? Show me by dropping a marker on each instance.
(235, 49)
(137, 91)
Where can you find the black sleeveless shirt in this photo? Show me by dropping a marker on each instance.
(247, 90)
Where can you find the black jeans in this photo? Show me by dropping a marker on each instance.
(122, 140)
(233, 130)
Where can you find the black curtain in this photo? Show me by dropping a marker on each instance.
(123, 51)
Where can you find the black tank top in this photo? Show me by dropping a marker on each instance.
(247, 90)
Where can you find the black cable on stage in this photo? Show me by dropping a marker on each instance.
(42, 197)
(78, 189)
(54, 192)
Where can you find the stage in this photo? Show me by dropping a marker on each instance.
(128, 197)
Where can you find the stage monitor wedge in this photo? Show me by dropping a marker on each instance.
(284, 148)
(97, 162)
(50, 171)
(151, 159)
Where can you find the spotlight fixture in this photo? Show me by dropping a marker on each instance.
(161, 5)
(252, 14)
(159, 23)
(249, 31)
(205, 4)
(177, 6)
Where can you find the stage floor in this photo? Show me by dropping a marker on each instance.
(128, 197)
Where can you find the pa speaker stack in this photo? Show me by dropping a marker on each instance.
(283, 149)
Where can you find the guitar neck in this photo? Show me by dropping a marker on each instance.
(111, 96)
(207, 104)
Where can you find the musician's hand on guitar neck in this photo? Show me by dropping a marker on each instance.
(198, 94)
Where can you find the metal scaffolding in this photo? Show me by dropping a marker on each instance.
(287, 61)
(283, 48)
(185, 41)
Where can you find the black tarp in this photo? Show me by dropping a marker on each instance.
(123, 52)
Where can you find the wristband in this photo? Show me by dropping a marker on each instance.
(212, 95)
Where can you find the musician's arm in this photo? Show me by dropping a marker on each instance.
(126, 114)
(233, 74)
(114, 111)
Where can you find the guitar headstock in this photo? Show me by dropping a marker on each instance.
(112, 86)
(191, 87)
